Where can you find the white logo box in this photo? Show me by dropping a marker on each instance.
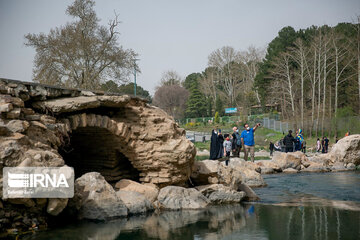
(38, 182)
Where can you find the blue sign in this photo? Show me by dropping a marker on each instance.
(230, 110)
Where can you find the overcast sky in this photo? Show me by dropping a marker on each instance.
(168, 34)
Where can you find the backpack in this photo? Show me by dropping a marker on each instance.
(238, 139)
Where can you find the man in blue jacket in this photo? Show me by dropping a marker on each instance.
(247, 140)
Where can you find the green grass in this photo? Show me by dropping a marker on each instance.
(201, 146)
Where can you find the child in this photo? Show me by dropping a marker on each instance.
(227, 150)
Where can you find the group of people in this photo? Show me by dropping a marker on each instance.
(223, 145)
(322, 145)
(290, 143)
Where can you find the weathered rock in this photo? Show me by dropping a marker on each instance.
(28, 202)
(95, 199)
(347, 150)
(338, 166)
(176, 198)
(249, 176)
(250, 195)
(290, 170)
(229, 176)
(56, 205)
(268, 167)
(150, 192)
(218, 194)
(289, 160)
(316, 167)
(351, 166)
(205, 172)
(17, 125)
(135, 202)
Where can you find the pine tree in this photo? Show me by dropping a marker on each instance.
(219, 107)
(196, 104)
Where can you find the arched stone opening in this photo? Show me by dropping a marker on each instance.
(93, 146)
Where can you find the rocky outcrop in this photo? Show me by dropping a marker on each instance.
(219, 194)
(38, 120)
(177, 198)
(135, 202)
(121, 137)
(346, 150)
(149, 191)
(214, 172)
(288, 160)
(96, 199)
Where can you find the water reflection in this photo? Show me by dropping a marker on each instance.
(222, 222)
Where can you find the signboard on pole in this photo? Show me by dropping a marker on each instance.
(230, 110)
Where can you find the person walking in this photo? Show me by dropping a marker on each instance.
(318, 145)
(271, 148)
(289, 141)
(236, 142)
(323, 145)
(247, 140)
(326, 144)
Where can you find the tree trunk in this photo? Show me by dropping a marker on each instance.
(324, 92)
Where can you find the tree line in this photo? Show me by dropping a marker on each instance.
(312, 75)
(228, 81)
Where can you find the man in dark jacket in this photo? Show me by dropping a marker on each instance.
(289, 142)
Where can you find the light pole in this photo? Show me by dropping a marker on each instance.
(135, 76)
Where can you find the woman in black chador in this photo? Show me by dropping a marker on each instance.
(214, 149)
(220, 143)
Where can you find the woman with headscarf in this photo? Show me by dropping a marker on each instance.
(220, 145)
(214, 150)
(300, 140)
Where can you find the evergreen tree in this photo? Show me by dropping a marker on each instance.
(219, 107)
(210, 106)
(196, 104)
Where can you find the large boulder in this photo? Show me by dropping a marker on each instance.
(268, 166)
(249, 174)
(149, 191)
(95, 199)
(205, 172)
(229, 176)
(177, 198)
(218, 194)
(289, 160)
(347, 150)
(135, 202)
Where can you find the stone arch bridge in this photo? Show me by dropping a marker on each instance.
(118, 136)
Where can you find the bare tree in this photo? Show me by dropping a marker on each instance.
(343, 61)
(299, 54)
(81, 53)
(208, 83)
(172, 99)
(284, 86)
(251, 59)
(226, 61)
(170, 77)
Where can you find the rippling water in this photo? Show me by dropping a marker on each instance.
(295, 206)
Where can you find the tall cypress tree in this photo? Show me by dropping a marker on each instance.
(196, 104)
